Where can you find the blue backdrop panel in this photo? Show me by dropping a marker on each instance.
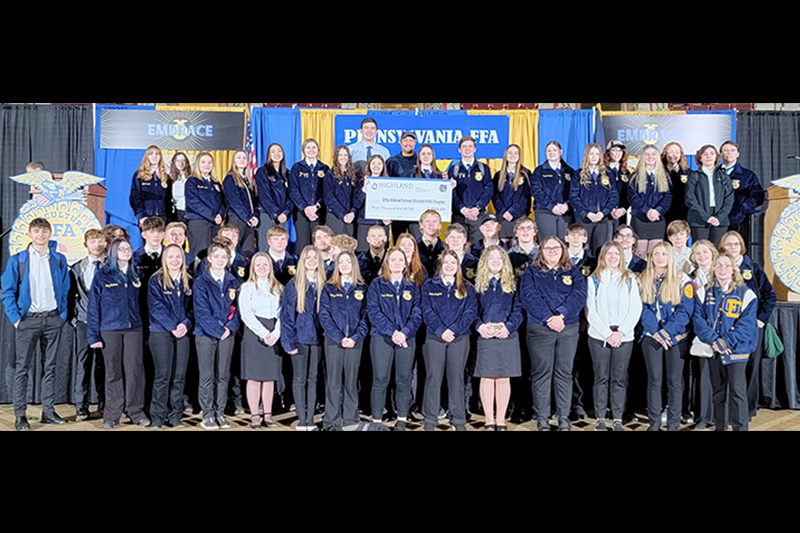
(572, 129)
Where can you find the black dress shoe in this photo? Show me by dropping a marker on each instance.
(53, 418)
(21, 424)
(81, 414)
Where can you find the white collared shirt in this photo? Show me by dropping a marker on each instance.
(43, 295)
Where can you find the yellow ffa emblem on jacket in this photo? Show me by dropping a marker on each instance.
(292, 270)
(232, 294)
(605, 181)
(241, 272)
(684, 178)
(732, 307)
(470, 273)
(479, 176)
(688, 290)
(586, 271)
(358, 295)
(747, 274)
(567, 280)
(407, 296)
(137, 283)
(164, 184)
(735, 183)
(320, 174)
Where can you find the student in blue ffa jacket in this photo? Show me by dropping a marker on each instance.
(593, 195)
(339, 190)
(301, 332)
(393, 307)
(473, 189)
(726, 322)
(512, 191)
(757, 281)
(449, 307)
(151, 187)
(171, 320)
(115, 325)
(306, 192)
(748, 194)
(205, 209)
(216, 321)
(650, 198)
(376, 168)
(342, 316)
(498, 348)
(629, 241)
(430, 246)
(667, 307)
(550, 188)
(709, 197)
(241, 201)
(553, 292)
(272, 187)
(616, 161)
(35, 289)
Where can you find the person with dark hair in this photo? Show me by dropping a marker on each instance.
(35, 289)
(616, 161)
(240, 199)
(375, 168)
(709, 197)
(272, 188)
(553, 293)
(306, 193)
(473, 189)
(114, 324)
(402, 164)
(550, 188)
(748, 194)
(340, 186)
(179, 171)
(677, 167)
(363, 150)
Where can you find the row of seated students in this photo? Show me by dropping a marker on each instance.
(422, 311)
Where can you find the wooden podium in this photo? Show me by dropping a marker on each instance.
(778, 199)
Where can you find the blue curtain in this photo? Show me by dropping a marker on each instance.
(277, 125)
(572, 130)
(118, 167)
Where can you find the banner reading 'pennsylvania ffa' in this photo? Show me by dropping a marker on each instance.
(133, 129)
(442, 130)
(691, 130)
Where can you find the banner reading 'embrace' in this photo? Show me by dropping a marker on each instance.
(133, 129)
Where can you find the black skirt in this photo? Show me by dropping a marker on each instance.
(259, 361)
(498, 358)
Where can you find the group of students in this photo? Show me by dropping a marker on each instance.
(453, 309)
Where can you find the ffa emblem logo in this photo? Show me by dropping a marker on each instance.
(320, 174)
(567, 280)
(292, 270)
(732, 307)
(470, 273)
(688, 291)
(164, 184)
(359, 295)
(568, 177)
(684, 178)
(60, 203)
(624, 178)
(747, 274)
(241, 272)
(137, 283)
(735, 184)
(586, 271)
(407, 296)
(458, 296)
(478, 176)
(232, 294)
(605, 181)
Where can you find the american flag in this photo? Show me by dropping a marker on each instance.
(249, 145)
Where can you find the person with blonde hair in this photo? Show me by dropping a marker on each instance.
(702, 258)
(242, 205)
(151, 187)
(593, 196)
(301, 333)
(497, 348)
(205, 209)
(259, 307)
(668, 304)
(305, 190)
(650, 197)
(613, 309)
(512, 191)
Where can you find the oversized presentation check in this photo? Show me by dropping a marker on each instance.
(407, 198)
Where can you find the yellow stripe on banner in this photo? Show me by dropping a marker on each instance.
(320, 124)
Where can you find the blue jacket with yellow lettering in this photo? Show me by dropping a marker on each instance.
(203, 199)
(669, 319)
(113, 305)
(498, 306)
(169, 308)
(728, 318)
(342, 313)
(473, 188)
(444, 309)
(390, 310)
(306, 189)
(150, 198)
(599, 196)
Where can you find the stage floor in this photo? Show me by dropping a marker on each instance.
(767, 420)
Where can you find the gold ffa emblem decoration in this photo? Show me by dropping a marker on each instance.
(136, 283)
(292, 270)
(407, 296)
(164, 184)
(586, 271)
(470, 273)
(735, 183)
(320, 174)
(458, 295)
(747, 274)
(479, 176)
(359, 295)
(567, 280)
(605, 181)
(232, 294)
(684, 178)
(241, 272)
(688, 290)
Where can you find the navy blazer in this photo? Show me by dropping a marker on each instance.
(203, 199)
(169, 308)
(390, 311)
(240, 200)
(642, 202)
(443, 309)
(342, 313)
(150, 198)
(299, 328)
(497, 306)
(550, 187)
(306, 189)
(748, 194)
(113, 305)
(473, 188)
(549, 293)
(698, 198)
(339, 196)
(600, 195)
(215, 307)
(517, 202)
(273, 193)
(757, 280)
